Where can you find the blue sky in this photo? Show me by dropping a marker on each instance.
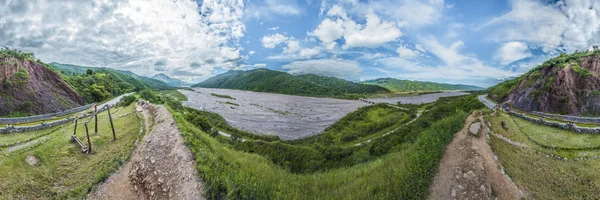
(453, 41)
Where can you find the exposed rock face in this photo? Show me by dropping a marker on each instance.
(23, 81)
(572, 89)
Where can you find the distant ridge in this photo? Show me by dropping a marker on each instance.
(397, 85)
(170, 81)
(265, 80)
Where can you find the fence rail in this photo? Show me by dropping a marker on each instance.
(17, 120)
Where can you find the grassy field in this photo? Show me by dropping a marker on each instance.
(542, 176)
(60, 170)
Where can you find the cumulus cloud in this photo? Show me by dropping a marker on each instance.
(251, 52)
(405, 52)
(456, 65)
(339, 68)
(271, 41)
(511, 52)
(128, 34)
(292, 50)
(569, 24)
(373, 33)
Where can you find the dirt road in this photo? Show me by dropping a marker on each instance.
(161, 167)
(469, 169)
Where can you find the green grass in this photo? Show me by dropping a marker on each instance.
(397, 166)
(556, 137)
(542, 177)
(21, 137)
(175, 94)
(63, 171)
(222, 96)
(363, 124)
(400, 175)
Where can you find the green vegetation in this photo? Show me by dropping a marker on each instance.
(396, 85)
(541, 176)
(581, 71)
(264, 80)
(257, 169)
(7, 52)
(229, 102)
(222, 96)
(59, 169)
(361, 123)
(99, 84)
(173, 93)
(127, 100)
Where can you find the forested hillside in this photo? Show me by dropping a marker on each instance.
(396, 85)
(265, 80)
(99, 84)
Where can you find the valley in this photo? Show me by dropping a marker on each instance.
(288, 117)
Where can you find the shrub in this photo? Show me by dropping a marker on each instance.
(127, 100)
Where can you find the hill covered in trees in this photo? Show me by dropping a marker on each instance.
(566, 84)
(265, 80)
(397, 85)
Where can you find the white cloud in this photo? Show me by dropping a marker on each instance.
(270, 9)
(457, 66)
(373, 33)
(273, 28)
(569, 24)
(251, 52)
(130, 34)
(407, 53)
(329, 31)
(271, 41)
(309, 53)
(339, 68)
(293, 46)
(511, 52)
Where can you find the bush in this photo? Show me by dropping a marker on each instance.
(127, 100)
(199, 121)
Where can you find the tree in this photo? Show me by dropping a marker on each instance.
(89, 71)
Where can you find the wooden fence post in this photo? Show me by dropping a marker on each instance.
(96, 116)
(75, 130)
(88, 138)
(111, 122)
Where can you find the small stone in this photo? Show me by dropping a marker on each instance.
(453, 193)
(482, 188)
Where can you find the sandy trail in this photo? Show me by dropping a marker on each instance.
(161, 167)
(469, 169)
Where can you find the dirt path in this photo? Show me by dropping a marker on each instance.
(161, 167)
(469, 169)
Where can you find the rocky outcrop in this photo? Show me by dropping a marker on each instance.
(571, 88)
(29, 87)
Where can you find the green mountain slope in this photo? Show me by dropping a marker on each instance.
(397, 85)
(265, 80)
(98, 84)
